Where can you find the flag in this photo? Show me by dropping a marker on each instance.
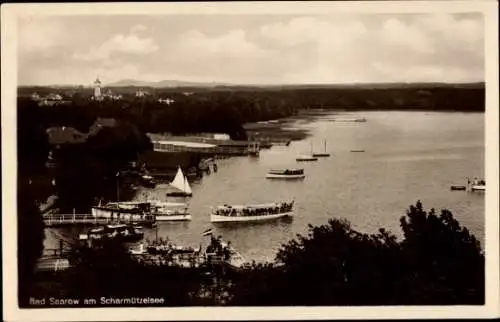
(208, 232)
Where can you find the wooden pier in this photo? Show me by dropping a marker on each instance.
(54, 220)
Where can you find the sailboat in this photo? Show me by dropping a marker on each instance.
(181, 183)
(307, 157)
(322, 154)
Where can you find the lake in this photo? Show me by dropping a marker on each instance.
(408, 156)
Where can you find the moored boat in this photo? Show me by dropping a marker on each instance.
(322, 154)
(244, 213)
(455, 187)
(122, 232)
(254, 149)
(124, 211)
(286, 174)
(306, 157)
(170, 211)
(220, 251)
(477, 184)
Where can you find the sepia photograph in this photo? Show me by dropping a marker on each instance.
(242, 155)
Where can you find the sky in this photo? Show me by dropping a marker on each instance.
(252, 49)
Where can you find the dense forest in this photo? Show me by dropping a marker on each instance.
(223, 109)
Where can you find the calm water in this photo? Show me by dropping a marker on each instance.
(408, 156)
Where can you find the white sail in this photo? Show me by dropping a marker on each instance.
(187, 188)
(180, 182)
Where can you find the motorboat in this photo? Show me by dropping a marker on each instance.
(252, 212)
(477, 184)
(286, 174)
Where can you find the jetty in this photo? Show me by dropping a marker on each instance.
(55, 220)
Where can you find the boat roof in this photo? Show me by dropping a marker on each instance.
(251, 206)
(286, 169)
(116, 226)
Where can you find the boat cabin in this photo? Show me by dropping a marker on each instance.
(287, 171)
(254, 210)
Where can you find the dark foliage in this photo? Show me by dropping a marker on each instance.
(226, 109)
(94, 166)
(109, 271)
(30, 236)
(33, 148)
(437, 263)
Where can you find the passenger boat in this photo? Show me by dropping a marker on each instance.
(128, 211)
(122, 232)
(164, 211)
(181, 184)
(477, 184)
(322, 154)
(243, 213)
(170, 211)
(286, 174)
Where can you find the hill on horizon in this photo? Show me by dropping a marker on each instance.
(180, 84)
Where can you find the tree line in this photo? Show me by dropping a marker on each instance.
(226, 109)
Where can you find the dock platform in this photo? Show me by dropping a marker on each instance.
(54, 220)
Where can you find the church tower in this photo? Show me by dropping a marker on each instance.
(97, 89)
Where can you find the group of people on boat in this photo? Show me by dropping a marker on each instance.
(218, 248)
(292, 172)
(476, 181)
(255, 211)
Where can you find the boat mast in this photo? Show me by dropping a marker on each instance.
(118, 186)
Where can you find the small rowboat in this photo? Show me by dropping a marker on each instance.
(458, 187)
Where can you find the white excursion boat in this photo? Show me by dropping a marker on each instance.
(286, 174)
(181, 184)
(243, 213)
(123, 210)
(322, 154)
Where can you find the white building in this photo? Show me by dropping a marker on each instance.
(141, 93)
(97, 90)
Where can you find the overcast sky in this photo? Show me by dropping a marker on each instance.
(266, 49)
